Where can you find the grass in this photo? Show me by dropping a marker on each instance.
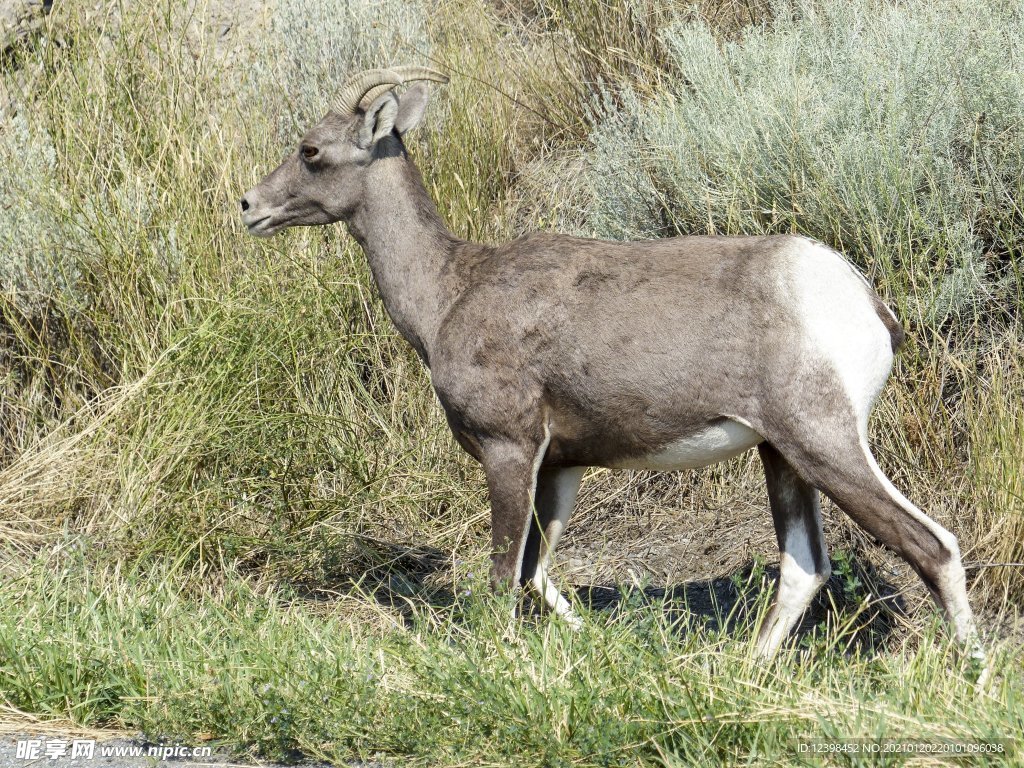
(261, 670)
(230, 508)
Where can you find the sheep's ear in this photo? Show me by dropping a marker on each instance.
(411, 107)
(379, 120)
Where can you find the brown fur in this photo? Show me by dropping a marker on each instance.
(896, 333)
(554, 352)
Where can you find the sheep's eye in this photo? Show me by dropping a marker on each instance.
(309, 152)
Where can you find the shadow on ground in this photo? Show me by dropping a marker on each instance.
(404, 579)
(856, 595)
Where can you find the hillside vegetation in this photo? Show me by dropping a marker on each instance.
(230, 506)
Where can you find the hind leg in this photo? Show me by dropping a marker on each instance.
(836, 459)
(556, 494)
(803, 558)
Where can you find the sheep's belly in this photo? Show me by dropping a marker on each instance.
(710, 445)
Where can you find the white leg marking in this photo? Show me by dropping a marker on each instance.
(952, 581)
(537, 460)
(798, 583)
(567, 484)
(543, 584)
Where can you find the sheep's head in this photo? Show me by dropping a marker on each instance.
(322, 181)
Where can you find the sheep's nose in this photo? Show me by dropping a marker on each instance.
(245, 205)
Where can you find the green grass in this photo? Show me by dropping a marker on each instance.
(230, 507)
(184, 653)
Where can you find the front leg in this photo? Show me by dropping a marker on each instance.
(511, 467)
(554, 499)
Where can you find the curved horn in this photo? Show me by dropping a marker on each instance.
(374, 92)
(357, 86)
(420, 73)
(408, 74)
(362, 89)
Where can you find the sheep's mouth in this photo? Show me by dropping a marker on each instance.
(261, 227)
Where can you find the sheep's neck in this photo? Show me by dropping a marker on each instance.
(409, 249)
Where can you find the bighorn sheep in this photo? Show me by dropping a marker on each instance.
(551, 354)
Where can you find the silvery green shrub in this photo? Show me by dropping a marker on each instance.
(322, 43)
(32, 227)
(49, 237)
(893, 131)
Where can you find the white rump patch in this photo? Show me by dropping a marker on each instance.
(840, 322)
(710, 445)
